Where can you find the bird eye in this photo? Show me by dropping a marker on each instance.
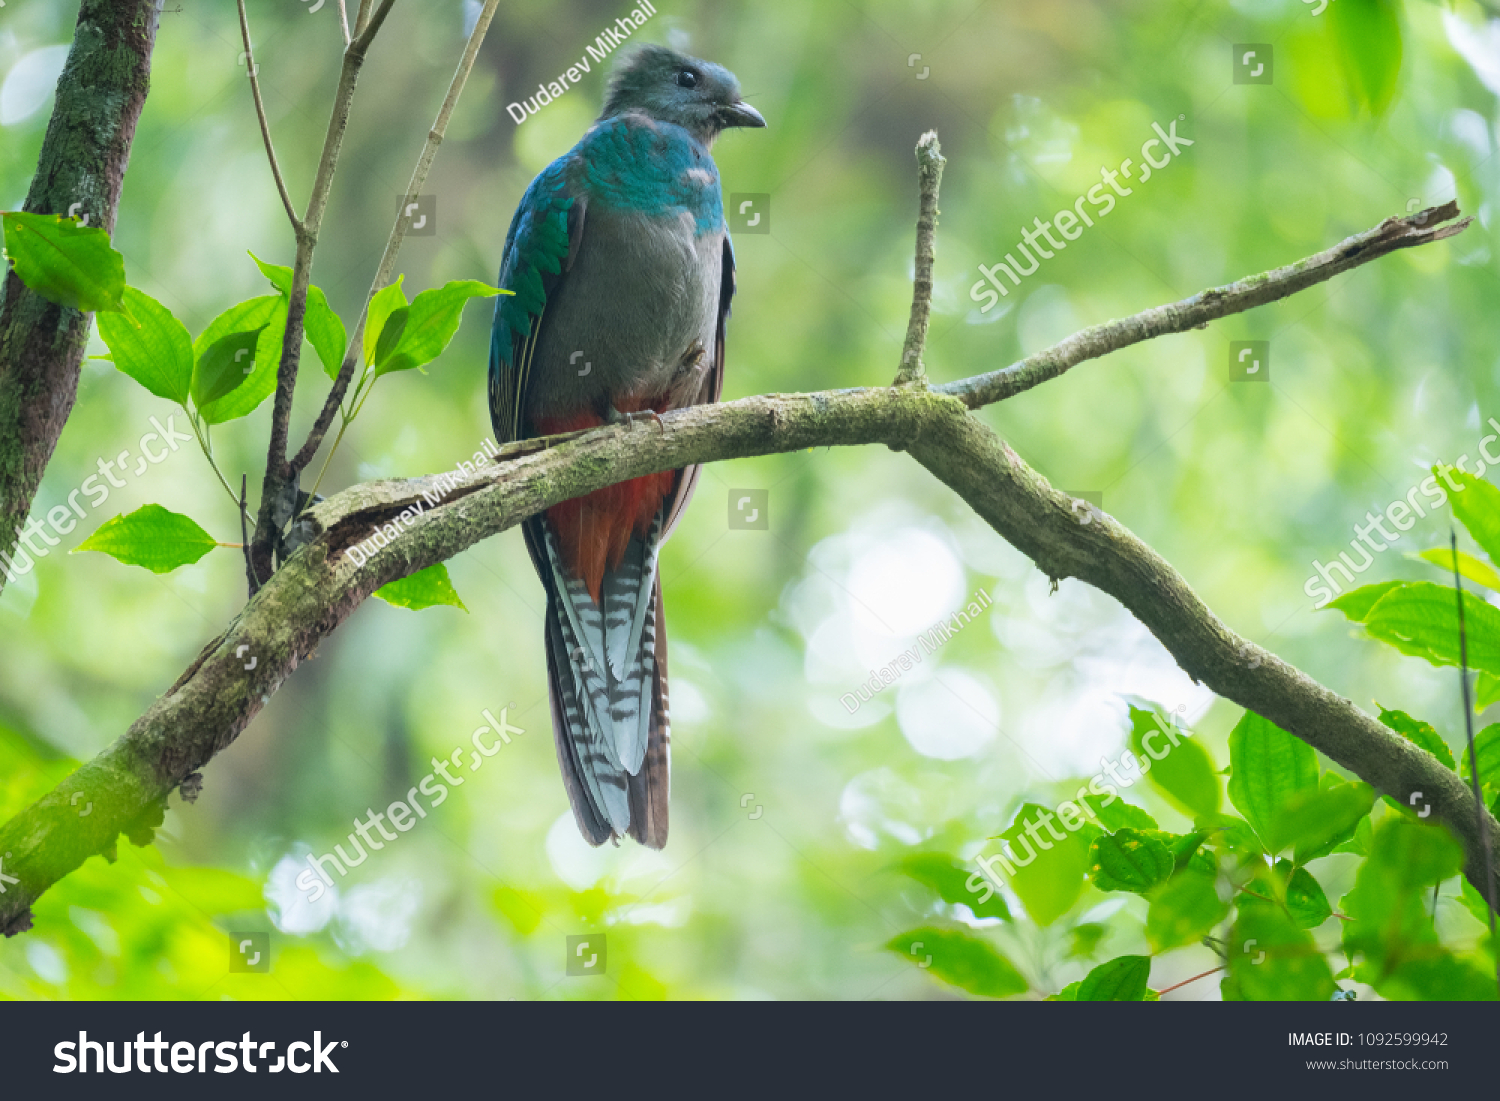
(687, 79)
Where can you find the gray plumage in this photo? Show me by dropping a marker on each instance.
(622, 273)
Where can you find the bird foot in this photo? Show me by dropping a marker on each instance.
(614, 416)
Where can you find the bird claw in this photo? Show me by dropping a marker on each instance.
(653, 414)
(614, 416)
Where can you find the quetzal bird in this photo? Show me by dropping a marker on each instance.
(622, 273)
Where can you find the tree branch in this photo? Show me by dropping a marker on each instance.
(362, 19)
(278, 500)
(387, 268)
(265, 127)
(929, 178)
(318, 588)
(1196, 312)
(81, 169)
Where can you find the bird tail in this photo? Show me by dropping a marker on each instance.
(607, 670)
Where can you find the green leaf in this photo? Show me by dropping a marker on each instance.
(1359, 844)
(1367, 34)
(280, 275)
(150, 345)
(1487, 746)
(65, 262)
(1182, 846)
(960, 958)
(390, 336)
(1231, 835)
(427, 588)
(1271, 959)
(1048, 874)
(1421, 619)
(1186, 907)
(430, 324)
(1184, 772)
(1305, 900)
(1420, 733)
(1474, 902)
(1118, 814)
(1085, 939)
(1438, 976)
(152, 537)
(1486, 691)
(1389, 921)
(1122, 979)
(226, 365)
(1356, 603)
(1185, 846)
(387, 301)
(1269, 766)
(1319, 820)
(1129, 860)
(1068, 993)
(1481, 573)
(325, 332)
(267, 313)
(1477, 505)
(950, 881)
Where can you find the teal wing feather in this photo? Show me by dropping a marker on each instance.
(539, 248)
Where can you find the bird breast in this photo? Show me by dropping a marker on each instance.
(643, 289)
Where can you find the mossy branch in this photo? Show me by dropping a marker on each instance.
(318, 588)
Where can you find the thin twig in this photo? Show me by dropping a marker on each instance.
(344, 23)
(387, 266)
(1420, 228)
(265, 127)
(371, 24)
(245, 535)
(278, 493)
(208, 454)
(1484, 826)
(929, 178)
(1184, 982)
(362, 20)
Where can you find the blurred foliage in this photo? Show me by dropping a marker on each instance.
(817, 833)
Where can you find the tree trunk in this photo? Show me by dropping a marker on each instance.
(99, 98)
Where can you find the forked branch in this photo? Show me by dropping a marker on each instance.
(305, 601)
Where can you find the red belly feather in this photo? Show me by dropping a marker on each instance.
(593, 531)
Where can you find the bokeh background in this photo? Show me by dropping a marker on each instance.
(788, 812)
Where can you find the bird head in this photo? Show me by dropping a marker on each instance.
(701, 97)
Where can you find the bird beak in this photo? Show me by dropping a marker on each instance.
(741, 113)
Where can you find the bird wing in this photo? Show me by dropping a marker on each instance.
(540, 247)
(713, 386)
